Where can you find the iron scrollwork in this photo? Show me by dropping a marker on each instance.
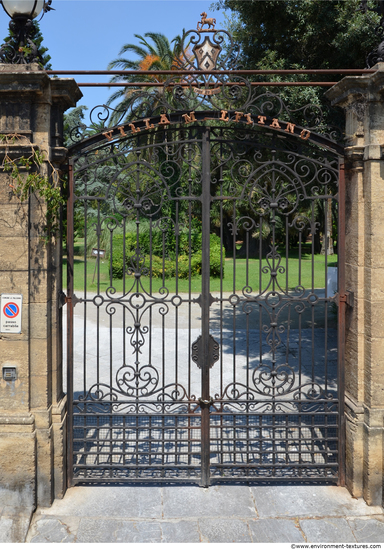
(270, 405)
(231, 95)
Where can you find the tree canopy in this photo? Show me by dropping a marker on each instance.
(158, 55)
(311, 34)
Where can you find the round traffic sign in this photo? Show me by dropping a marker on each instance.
(11, 310)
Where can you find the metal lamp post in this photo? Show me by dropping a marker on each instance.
(22, 14)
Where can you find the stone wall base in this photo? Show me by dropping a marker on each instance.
(18, 460)
(32, 458)
(364, 451)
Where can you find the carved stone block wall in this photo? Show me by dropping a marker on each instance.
(32, 407)
(363, 100)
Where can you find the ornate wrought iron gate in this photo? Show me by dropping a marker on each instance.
(203, 345)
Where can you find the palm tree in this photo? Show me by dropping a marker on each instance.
(157, 56)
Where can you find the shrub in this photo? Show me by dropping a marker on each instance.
(185, 265)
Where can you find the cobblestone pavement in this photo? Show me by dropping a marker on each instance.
(226, 513)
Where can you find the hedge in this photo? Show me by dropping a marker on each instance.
(166, 264)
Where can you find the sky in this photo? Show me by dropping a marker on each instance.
(88, 34)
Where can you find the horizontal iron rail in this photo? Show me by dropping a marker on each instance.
(154, 84)
(220, 72)
(238, 72)
(248, 466)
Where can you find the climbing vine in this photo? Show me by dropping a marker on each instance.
(27, 179)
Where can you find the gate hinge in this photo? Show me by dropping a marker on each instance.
(347, 298)
(62, 298)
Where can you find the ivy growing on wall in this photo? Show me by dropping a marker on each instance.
(25, 171)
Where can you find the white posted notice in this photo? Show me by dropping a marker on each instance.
(10, 313)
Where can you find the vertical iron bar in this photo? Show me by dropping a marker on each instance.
(124, 275)
(70, 264)
(150, 342)
(286, 253)
(205, 288)
(85, 343)
(341, 323)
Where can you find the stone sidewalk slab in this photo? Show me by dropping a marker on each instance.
(309, 501)
(275, 530)
(15, 515)
(327, 530)
(368, 529)
(224, 530)
(220, 514)
(14, 528)
(113, 501)
(217, 501)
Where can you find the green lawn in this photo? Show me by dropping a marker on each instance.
(242, 273)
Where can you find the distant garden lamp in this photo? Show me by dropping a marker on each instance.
(22, 14)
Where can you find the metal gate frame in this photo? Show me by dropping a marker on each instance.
(208, 84)
(206, 402)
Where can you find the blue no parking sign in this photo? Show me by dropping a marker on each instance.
(10, 313)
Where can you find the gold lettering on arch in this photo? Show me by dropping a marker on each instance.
(305, 134)
(275, 123)
(290, 127)
(108, 135)
(223, 115)
(133, 128)
(188, 118)
(164, 119)
(147, 125)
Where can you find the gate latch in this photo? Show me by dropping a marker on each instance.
(208, 402)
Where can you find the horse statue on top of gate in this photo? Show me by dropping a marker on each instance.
(210, 21)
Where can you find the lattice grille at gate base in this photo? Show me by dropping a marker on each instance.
(275, 445)
(137, 447)
(254, 446)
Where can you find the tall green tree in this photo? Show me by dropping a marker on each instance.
(311, 34)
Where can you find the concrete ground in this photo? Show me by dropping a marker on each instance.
(222, 514)
(15, 515)
(164, 513)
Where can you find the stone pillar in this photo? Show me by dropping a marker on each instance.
(32, 407)
(363, 100)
